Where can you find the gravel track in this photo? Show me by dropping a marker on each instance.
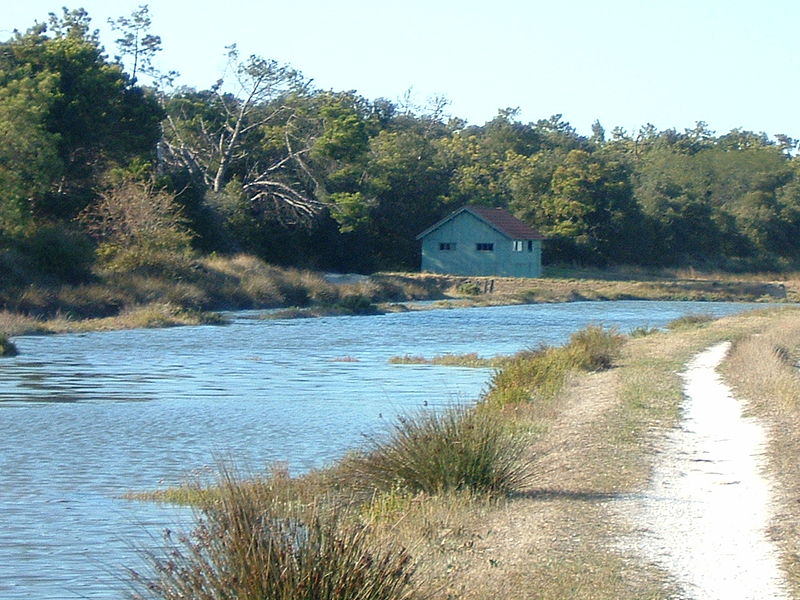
(705, 516)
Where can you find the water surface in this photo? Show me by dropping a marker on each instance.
(87, 417)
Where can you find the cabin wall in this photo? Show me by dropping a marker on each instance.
(461, 255)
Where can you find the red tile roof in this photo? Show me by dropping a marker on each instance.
(505, 223)
(498, 219)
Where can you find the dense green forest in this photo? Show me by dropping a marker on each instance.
(103, 167)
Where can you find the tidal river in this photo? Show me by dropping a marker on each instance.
(85, 418)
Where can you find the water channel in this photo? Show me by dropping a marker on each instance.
(87, 417)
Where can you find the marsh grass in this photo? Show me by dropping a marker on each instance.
(251, 542)
(690, 321)
(348, 305)
(472, 360)
(541, 374)
(438, 451)
(198, 284)
(470, 544)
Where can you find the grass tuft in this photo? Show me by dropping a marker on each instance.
(594, 348)
(643, 331)
(690, 321)
(250, 542)
(434, 452)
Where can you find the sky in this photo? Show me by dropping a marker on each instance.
(626, 63)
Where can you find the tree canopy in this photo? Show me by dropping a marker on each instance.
(264, 162)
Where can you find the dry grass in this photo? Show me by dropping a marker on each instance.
(252, 541)
(559, 536)
(137, 317)
(435, 452)
(471, 360)
(567, 285)
(763, 370)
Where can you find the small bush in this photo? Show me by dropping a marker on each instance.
(639, 332)
(469, 288)
(356, 304)
(65, 254)
(594, 348)
(7, 347)
(689, 321)
(434, 452)
(252, 543)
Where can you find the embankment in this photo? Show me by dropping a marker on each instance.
(592, 446)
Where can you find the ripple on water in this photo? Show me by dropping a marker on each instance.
(88, 417)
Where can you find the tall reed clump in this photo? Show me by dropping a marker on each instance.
(440, 451)
(251, 543)
(7, 347)
(541, 373)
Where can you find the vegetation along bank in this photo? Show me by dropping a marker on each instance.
(512, 498)
(114, 182)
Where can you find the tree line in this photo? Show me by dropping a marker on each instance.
(103, 165)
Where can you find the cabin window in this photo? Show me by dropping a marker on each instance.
(484, 247)
(447, 246)
(530, 245)
(519, 245)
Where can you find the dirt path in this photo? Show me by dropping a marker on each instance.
(553, 541)
(649, 486)
(705, 516)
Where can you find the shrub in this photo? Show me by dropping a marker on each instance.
(250, 542)
(455, 449)
(689, 321)
(7, 347)
(356, 304)
(68, 255)
(141, 230)
(643, 331)
(469, 288)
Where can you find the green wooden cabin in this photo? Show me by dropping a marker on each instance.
(482, 242)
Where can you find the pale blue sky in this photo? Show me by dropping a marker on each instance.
(731, 63)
